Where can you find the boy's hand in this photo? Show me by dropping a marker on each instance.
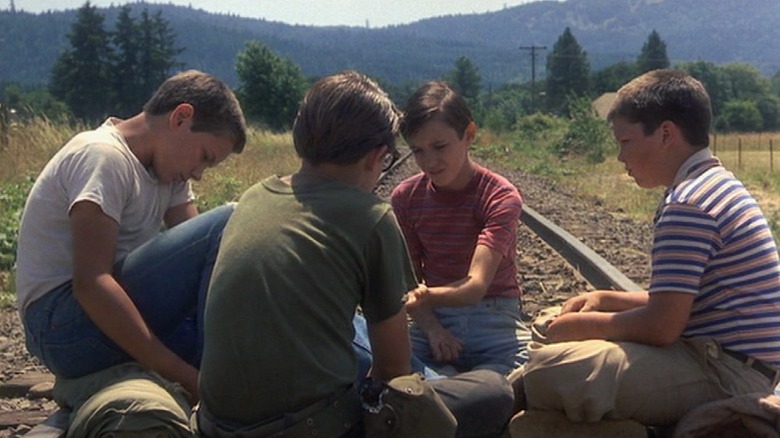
(416, 297)
(445, 347)
(589, 302)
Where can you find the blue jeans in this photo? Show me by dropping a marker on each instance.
(494, 337)
(167, 278)
(481, 400)
(362, 347)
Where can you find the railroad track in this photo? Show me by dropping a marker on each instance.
(566, 245)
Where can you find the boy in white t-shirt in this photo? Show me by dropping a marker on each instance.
(98, 284)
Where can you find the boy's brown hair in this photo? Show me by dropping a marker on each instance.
(435, 100)
(343, 117)
(660, 95)
(217, 110)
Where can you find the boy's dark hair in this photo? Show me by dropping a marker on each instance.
(217, 110)
(660, 95)
(342, 117)
(435, 99)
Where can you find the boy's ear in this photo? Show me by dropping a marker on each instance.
(471, 131)
(375, 157)
(670, 132)
(181, 114)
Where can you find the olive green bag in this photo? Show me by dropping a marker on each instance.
(405, 407)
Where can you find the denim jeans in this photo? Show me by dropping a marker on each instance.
(481, 400)
(494, 337)
(167, 279)
(362, 347)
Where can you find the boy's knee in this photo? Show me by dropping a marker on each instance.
(124, 401)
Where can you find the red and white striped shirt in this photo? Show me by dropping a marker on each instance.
(443, 228)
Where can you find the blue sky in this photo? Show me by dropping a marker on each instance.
(375, 13)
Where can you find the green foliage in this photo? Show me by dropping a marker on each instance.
(769, 107)
(567, 72)
(270, 87)
(34, 102)
(613, 77)
(587, 135)
(226, 189)
(653, 55)
(465, 79)
(81, 76)
(740, 116)
(501, 108)
(12, 198)
(743, 82)
(540, 126)
(113, 71)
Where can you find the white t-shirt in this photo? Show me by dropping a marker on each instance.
(95, 166)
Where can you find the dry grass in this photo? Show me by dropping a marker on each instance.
(265, 154)
(30, 145)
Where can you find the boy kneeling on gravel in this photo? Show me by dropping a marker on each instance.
(708, 327)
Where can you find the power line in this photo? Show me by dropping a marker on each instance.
(533, 50)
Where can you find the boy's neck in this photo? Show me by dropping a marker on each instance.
(349, 174)
(138, 132)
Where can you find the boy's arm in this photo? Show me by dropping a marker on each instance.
(179, 213)
(466, 291)
(106, 302)
(445, 347)
(605, 301)
(660, 322)
(390, 345)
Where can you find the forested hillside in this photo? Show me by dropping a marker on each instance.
(608, 30)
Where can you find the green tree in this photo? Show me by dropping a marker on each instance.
(567, 73)
(740, 116)
(465, 79)
(130, 95)
(744, 82)
(158, 52)
(653, 55)
(36, 102)
(81, 76)
(775, 84)
(711, 77)
(270, 88)
(613, 77)
(769, 107)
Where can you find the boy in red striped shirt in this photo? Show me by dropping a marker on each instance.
(459, 220)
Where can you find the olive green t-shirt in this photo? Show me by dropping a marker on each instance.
(294, 264)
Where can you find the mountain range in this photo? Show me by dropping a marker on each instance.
(498, 43)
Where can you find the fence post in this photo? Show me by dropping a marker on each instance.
(715, 144)
(3, 125)
(739, 153)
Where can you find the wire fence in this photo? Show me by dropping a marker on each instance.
(749, 152)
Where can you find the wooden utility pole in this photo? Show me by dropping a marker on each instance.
(533, 50)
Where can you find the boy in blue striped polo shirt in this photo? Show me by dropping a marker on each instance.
(708, 327)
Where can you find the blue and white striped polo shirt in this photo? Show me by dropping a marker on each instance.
(711, 239)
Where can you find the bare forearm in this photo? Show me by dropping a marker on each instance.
(615, 301)
(639, 325)
(463, 293)
(114, 313)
